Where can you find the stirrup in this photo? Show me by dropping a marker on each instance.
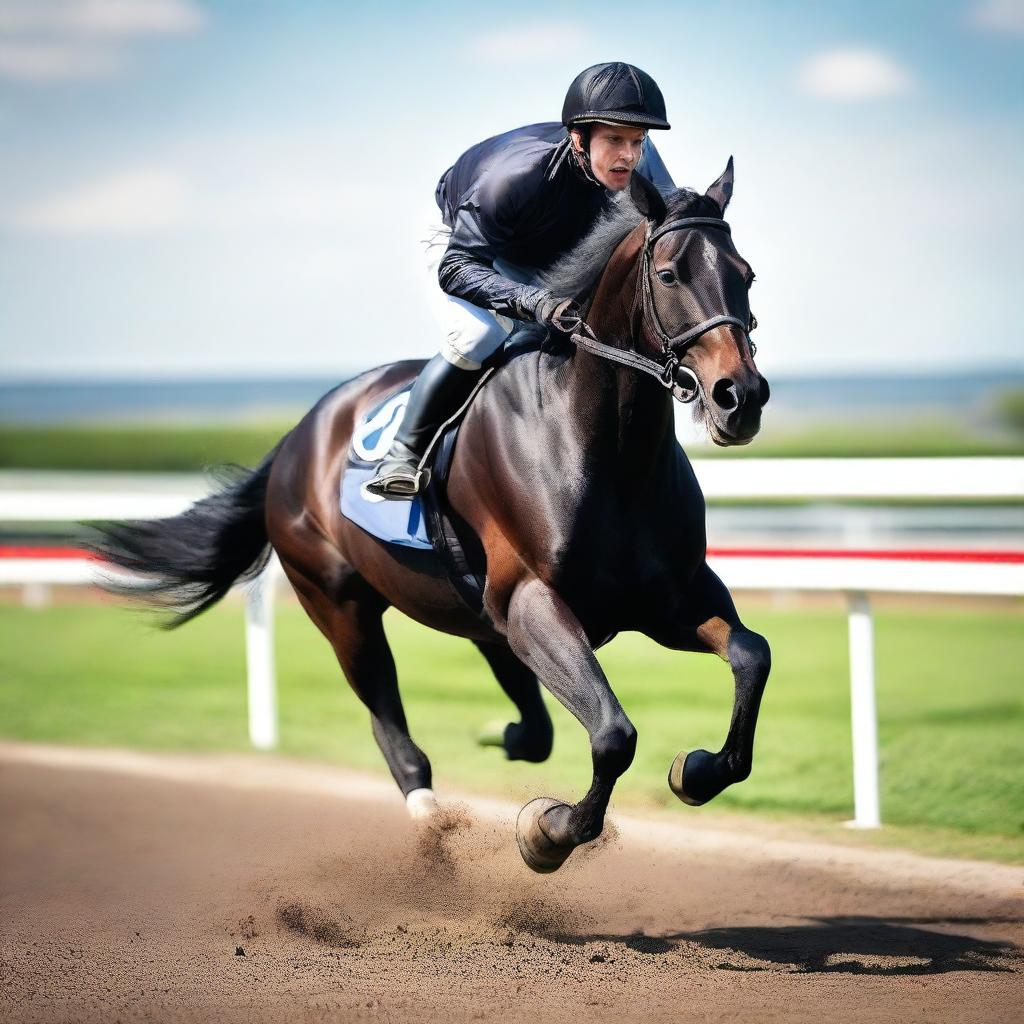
(398, 484)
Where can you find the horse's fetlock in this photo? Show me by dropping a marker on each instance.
(532, 742)
(737, 768)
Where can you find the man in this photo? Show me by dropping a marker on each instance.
(511, 206)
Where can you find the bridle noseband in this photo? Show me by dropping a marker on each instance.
(673, 347)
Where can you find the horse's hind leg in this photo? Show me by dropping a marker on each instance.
(355, 630)
(531, 738)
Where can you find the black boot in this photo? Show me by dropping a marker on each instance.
(437, 394)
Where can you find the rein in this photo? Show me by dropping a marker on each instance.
(673, 346)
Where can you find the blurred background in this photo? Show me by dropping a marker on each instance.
(210, 214)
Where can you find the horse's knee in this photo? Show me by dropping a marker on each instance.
(749, 655)
(613, 747)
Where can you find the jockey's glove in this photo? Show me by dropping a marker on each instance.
(558, 312)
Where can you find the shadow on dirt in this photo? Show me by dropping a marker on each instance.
(844, 945)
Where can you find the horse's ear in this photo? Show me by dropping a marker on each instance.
(721, 190)
(647, 198)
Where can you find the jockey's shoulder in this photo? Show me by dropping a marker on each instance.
(519, 151)
(543, 136)
(536, 153)
(513, 164)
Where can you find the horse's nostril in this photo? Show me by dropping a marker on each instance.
(724, 393)
(763, 392)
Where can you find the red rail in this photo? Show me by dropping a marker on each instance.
(875, 554)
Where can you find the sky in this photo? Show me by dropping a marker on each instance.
(196, 189)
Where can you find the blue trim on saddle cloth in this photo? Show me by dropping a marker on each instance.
(397, 522)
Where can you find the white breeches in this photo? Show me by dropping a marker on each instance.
(470, 334)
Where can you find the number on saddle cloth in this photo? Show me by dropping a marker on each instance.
(397, 522)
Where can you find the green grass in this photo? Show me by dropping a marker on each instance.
(1010, 409)
(917, 438)
(141, 447)
(175, 448)
(951, 708)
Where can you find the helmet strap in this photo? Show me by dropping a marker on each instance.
(582, 155)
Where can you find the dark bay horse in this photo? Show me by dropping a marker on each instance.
(589, 516)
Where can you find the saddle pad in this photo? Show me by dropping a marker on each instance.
(397, 522)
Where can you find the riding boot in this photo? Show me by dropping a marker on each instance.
(437, 394)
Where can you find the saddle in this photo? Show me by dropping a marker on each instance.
(426, 522)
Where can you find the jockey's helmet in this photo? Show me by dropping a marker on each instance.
(614, 93)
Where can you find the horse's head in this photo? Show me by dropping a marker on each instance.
(695, 308)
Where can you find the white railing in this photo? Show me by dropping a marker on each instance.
(857, 573)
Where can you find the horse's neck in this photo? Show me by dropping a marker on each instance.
(615, 403)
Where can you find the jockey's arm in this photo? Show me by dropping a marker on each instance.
(485, 223)
(467, 272)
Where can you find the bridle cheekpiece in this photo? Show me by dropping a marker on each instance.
(673, 347)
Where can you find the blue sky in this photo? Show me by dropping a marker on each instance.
(194, 189)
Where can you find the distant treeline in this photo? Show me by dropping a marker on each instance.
(174, 448)
(154, 449)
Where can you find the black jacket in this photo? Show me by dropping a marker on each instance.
(519, 197)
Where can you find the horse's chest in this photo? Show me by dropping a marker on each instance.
(619, 578)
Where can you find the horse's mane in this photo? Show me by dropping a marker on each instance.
(577, 271)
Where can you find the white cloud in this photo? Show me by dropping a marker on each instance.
(135, 202)
(61, 40)
(54, 61)
(543, 42)
(100, 17)
(853, 74)
(998, 16)
(159, 199)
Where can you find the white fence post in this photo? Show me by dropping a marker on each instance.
(36, 595)
(863, 716)
(259, 654)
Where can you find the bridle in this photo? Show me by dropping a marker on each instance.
(673, 346)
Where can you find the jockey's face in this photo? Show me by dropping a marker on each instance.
(614, 151)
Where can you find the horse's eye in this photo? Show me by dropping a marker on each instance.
(666, 277)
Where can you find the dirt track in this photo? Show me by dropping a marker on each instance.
(132, 891)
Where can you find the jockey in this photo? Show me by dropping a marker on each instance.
(511, 205)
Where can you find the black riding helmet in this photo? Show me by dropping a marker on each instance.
(616, 92)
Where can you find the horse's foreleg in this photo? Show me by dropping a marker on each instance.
(698, 776)
(529, 739)
(547, 637)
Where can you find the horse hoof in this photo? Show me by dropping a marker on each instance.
(676, 778)
(520, 742)
(539, 852)
(421, 805)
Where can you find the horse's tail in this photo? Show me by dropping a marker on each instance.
(190, 561)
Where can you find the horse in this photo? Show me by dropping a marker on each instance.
(586, 512)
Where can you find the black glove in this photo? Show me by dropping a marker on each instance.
(558, 312)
